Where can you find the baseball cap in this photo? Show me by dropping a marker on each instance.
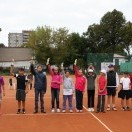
(90, 70)
(111, 65)
(103, 71)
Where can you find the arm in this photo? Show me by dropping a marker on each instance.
(50, 70)
(117, 80)
(45, 84)
(76, 70)
(26, 83)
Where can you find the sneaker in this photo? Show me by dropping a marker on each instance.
(77, 110)
(19, 111)
(89, 109)
(128, 108)
(108, 109)
(23, 111)
(52, 110)
(123, 108)
(114, 109)
(35, 112)
(58, 110)
(81, 111)
(63, 111)
(42, 111)
(71, 111)
(92, 109)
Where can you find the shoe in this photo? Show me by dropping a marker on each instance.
(35, 112)
(77, 110)
(123, 108)
(63, 111)
(127, 108)
(58, 110)
(23, 111)
(114, 109)
(52, 110)
(71, 111)
(92, 109)
(81, 111)
(108, 108)
(89, 109)
(42, 111)
(19, 111)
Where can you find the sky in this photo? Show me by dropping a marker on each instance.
(75, 15)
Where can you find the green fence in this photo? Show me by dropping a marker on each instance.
(127, 66)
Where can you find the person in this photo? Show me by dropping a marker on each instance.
(56, 81)
(68, 89)
(125, 91)
(21, 89)
(102, 91)
(131, 88)
(30, 78)
(40, 87)
(112, 86)
(91, 67)
(79, 87)
(2, 90)
(91, 76)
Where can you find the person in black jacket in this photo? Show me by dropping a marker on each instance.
(40, 86)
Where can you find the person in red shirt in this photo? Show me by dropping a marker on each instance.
(79, 87)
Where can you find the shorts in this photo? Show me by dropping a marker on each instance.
(0, 97)
(124, 94)
(20, 95)
(111, 91)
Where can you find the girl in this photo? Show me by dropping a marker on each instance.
(55, 86)
(68, 90)
(79, 87)
(101, 83)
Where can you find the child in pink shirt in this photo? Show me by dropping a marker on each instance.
(79, 87)
(55, 86)
(102, 91)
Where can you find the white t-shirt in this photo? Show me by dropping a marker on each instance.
(125, 81)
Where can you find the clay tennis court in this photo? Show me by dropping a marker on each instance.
(113, 121)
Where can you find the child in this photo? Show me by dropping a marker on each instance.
(68, 90)
(40, 86)
(79, 87)
(131, 88)
(125, 91)
(91, 76)
(21, 90)
(102, 91)
(1, 88)
(55, 86)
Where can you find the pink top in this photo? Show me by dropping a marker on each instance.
(102, 85)
(56, 79)
(80, 80)
(1, 83)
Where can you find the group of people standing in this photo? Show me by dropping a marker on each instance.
(107, 83)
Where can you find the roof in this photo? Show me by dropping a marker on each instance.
(16, 53)
(119, 56)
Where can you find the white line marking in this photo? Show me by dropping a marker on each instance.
(98, 120)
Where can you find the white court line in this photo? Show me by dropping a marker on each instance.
(98, 120)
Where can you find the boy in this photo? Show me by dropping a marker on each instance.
(68, 89)
(21, 90)
(1, 88)
(91, 76)
(40, 86)
(125, 91)
(80, 87)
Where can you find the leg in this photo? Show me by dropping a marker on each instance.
(23, 104)
(42, 100)
(53, 98)
(92, 98)
(57, 98)
(19, 104)
(99, 102)
(127, 102)
(81, 100)
(77, 99)
(70, 101)
(64, 102)
(36, 99)
(103, 103)
(89, 98)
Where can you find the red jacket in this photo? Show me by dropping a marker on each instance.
(80, 80)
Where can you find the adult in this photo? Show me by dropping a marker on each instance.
(112, 85)
(40, 86)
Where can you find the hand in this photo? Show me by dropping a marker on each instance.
(62, 67)
(31, 61)
(47, 63)
(75, 63)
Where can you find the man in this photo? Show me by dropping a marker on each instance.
(40, 86)
(112, 85)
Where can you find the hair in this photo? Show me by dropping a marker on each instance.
(126, 72)
(67, 71)
(39, 65)
(21, 69)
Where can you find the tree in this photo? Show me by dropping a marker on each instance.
(2, 45)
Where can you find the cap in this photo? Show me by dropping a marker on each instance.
(111, 65)
(103, 71)
(90, 70)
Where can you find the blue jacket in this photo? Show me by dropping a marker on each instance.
(40, 79)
